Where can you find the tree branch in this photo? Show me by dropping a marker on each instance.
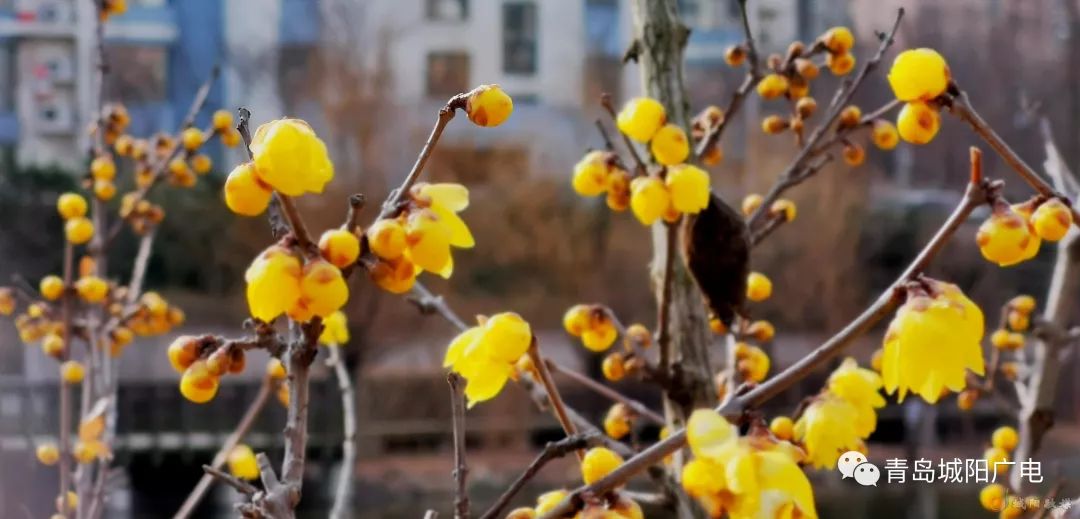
(557, 405)
(734, 408)
(246, 422)
(344, 490)
(446, 114)
(605, 391)
(461, 469)
(552, 451)
(843, 98)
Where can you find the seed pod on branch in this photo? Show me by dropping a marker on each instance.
(716, 248)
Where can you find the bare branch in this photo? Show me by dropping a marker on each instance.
(446, 114)
(557, 405)
(552, 451)
(734, 407)
(844, 96)
(241, 486)
(344, 490)
(960, 105)
(241, 430)
(461, 469)
(615, 396)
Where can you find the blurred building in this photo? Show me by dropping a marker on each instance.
(159, 52)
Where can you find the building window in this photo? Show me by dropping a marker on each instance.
(137, 74)
(519, 38)
(447, 10)
(447, 73)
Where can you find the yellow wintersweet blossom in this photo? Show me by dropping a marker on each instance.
(273, 283)
(431, 231)
(290, 158)
(335, 329)
(768, 484)
(825, 429)
(752, 477)
(709, 434)
(931, 343)
(919, 75)
(242, 462)
(485, 354)
(862, 388)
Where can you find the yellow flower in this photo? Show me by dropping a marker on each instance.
(703, 477)
(617, 421)
(1007, 238)
(919, 75)
(71, 205)
(335, 329)
(884, 135)
(339, 247)
(1052, 220)
(446, 200)
(782, 427)
(79, 230)
(488, 105)
(1005, 438)
(51, 287)
(992, 497)
(92, 289)
(245, 194)
(772, 86)
(273, 283)
(689, 188)
(825, 429)
(590, 176)
(862, 388)
(242, 462)
(767, 483)
(322, 291)
(840, 64)
(428, 244)
(932, 342)
(641, 118)
(838, 40)
(197, 384)
(758, 287)
(222, 120)
(291, 158)
(485, 354)
(918, 122)
(649, 199)
(669, 145)
(386, 238)
(597, 463)
(710, 435)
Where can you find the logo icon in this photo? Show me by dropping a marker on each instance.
(853, 464)
(848, 461)
(867, 474)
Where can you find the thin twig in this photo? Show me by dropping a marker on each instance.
(734, 407)
(557, 404)
(639, 165)
(461, 468)
(241, 486)
(446, 114)
(663, 319)
(960, 105)
(246, 422)
(344, 490)
(64, 388)
(615, 396)
(753, 77)
(552, 451)
(843, 97)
